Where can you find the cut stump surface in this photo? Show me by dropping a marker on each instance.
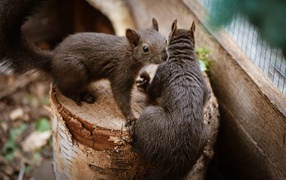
(88, 139)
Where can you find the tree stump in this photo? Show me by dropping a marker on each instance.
(88, 139)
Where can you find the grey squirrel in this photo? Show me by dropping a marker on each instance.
(170, 134)
(81, 58)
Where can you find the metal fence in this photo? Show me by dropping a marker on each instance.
(269, 59)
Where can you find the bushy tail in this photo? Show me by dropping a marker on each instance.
(17, 53)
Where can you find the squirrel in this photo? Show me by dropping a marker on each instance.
(80, 58)
(170, 134)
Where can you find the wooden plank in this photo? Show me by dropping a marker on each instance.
(248, 96)
(250, 105)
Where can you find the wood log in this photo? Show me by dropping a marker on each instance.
(89, 139)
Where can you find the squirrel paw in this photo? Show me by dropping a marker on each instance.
(130, 123)
(87, 98)
(127, 140)
(143, 82)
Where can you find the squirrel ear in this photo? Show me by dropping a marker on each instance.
(174, 27)
(155, 24)
(132, 37)
(192, 29)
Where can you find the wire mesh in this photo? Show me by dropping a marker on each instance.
(269, 59)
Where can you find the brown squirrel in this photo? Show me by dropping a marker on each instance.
(81, 58)
(170, 134)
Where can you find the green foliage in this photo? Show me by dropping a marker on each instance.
(50, 142)
(9, 149)
(28, 168)
(203, 57)
(11, 146)
(37, 156)
(43, 124)
(15, 132)
(45, 101)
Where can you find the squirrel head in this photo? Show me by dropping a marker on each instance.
(177, 33)
(147, 45)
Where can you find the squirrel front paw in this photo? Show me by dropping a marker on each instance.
(130, 123)
(143, 81)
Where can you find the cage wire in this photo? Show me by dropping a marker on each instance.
(269, 59)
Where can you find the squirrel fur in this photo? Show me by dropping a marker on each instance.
(81, 58)
(170, 134)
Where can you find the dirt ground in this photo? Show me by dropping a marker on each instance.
(25, 128)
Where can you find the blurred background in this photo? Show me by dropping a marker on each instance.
(25, 126)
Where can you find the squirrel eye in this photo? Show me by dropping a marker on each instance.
(145, 48)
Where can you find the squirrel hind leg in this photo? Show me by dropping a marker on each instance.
(75, 87)
(87, 94)
(74, 95)
(78, 96)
